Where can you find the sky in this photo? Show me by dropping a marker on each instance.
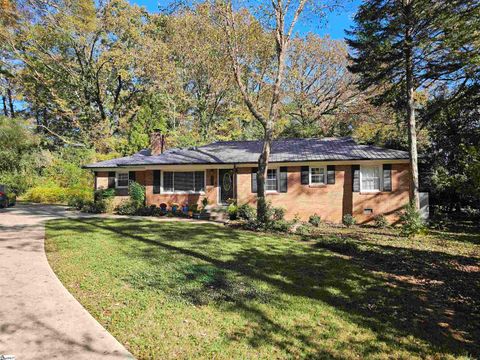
(336, 24)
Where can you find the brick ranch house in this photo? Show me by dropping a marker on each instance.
(329, 176)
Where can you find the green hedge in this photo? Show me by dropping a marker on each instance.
(54, 194)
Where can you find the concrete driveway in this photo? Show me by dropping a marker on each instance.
(39, 318)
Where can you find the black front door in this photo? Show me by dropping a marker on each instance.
(226, 185)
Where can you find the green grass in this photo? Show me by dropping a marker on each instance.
(175, 290)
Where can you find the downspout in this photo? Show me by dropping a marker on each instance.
(235, 182)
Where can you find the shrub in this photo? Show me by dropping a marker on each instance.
(49, 194)
(145, 210)
(412, 223)
(232, 211)
(127, 208)
(246, 212)
(281, 225)
(277, 214)
(304, 229)
(349, 220)
(381, 221)
(253, 225)
(315, 220)
(137, 193)
(95, 207)
(103, 194)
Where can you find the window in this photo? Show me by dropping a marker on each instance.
(122, 180)
(370, 178)
(317, 175)
(183, 181)
(272, 184)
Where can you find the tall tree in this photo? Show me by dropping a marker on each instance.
(267, 74)
(321, 91)
(85, 68)
(406, 45)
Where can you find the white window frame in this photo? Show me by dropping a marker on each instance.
(162, 191)
(380, 175)
(310, 175)
(277, 170)
(117, 173)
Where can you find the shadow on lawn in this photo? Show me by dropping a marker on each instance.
(396, 292)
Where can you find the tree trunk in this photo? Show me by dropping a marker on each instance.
(4, 101)
(262, 215)
(412, 131)
(10, 103)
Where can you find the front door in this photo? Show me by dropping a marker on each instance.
(226, 185)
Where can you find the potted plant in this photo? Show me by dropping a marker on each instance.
(205, 215)
(163, 208)
(174, 207)
(194, 211)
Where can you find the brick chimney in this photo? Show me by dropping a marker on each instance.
(157, 143)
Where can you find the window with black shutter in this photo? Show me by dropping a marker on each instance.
(132, 176)
(330, 174)
(387, 177)
(283, 179)
(305, 174)
(156, 181)
(254, 180)
(183, 181)
(111, 179)
(356, 178)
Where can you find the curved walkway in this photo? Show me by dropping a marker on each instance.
(39, 318)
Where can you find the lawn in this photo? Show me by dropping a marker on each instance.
(176, 290)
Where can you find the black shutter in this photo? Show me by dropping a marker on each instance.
(132, 176)
(111, 179)
(283, 179)
(156, 181)
(254, 180)
(330, 174)
(356, 178)
(387, 177)
(95, 176)
(305, 175)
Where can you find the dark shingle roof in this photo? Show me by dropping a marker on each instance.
(283, 150)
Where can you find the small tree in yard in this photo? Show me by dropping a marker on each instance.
(412, 223)
(260, 82)
(137, 193)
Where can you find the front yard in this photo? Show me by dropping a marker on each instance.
(174, 290)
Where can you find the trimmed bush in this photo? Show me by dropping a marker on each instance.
(380, 221)
(95, 207)
(247, 212)
(315, 220)
(349, 220)
(412, 223)
(278, 214)
(304, 229)
(128, 207)
(281, 225)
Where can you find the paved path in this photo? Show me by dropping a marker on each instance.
(39, 318)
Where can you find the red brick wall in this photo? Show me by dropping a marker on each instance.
(387, 203)
(331, 201)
